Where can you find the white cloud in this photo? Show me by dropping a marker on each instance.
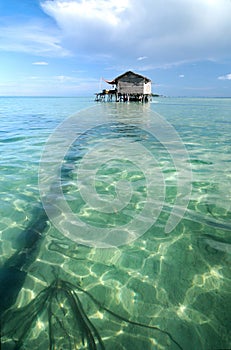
(106, 11)
(181, 76)
(166, 31)
(225, 77)
(120, 32)
(40, 63)
(141, 58)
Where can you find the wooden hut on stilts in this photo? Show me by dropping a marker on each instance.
(127, 87)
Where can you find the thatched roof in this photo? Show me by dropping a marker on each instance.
(114, 81)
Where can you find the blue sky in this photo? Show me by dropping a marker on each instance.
(65, 47)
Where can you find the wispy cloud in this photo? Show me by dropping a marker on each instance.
(225, 77)
(65, 79)
(32, 38)
(141, 58)
(181, 76)
(49, 85)
(40, 63)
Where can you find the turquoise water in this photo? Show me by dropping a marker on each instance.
(158, 290)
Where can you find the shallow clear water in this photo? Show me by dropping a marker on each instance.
(177, 283)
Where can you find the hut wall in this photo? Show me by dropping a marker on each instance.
(133, 85)
(147, 88)
(128, 88)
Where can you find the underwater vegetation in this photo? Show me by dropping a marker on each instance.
(56, 319)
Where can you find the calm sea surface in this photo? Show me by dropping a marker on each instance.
(148, 167)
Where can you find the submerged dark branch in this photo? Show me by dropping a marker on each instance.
(14, 271)
(59, 307)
